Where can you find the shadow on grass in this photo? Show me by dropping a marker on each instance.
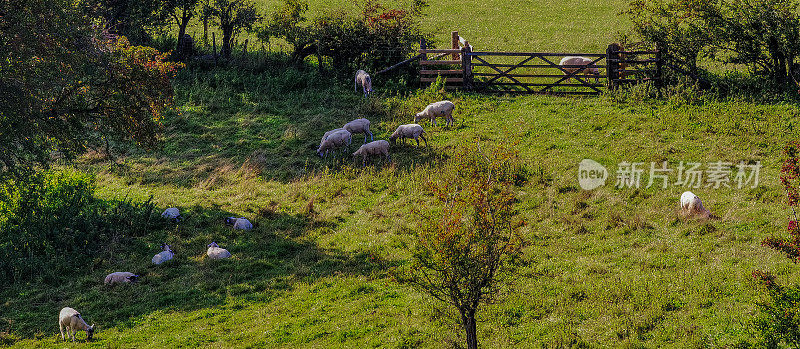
(265, 261)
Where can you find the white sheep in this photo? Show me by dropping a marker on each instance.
(335, 140)
(363, 79)
(216, 252)
(443, 109)
(121, 277)
(239, 223)
(71, 320)
(172, 213)
(164, 255)
(691, 205)
(328, 133)
(380, 147)
(576, 60)
(359, 126)
(414, 131)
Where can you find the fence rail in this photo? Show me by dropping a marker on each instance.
(538, 72)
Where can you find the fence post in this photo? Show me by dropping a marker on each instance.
(454, 44)
(659, 66)
(244, 52)
(466, 64)
(214, 42)
(423, 46)
(612, 70)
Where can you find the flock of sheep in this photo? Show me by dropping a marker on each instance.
(333, 140)
(341, 138)
(71, 320)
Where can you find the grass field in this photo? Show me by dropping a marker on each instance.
(604, 268)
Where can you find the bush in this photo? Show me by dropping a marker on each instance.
(52, 225)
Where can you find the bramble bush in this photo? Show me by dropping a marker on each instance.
(779, 323)
(51, 226)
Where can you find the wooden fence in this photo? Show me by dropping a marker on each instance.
(537, 72)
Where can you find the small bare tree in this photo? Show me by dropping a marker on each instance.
(465, 245)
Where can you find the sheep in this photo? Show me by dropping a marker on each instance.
(414, 131)
(239, 223)
(121, 277)
(338, 139)
(691, 205)
(328, 133)
(359, 126)
(576, 60)
(173, 214)
(442, 109)
(216, 252)
(72, 320)
(373, 148)
(164, 255)
(363, 79)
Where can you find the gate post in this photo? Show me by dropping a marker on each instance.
(454, 44)
(466, 65)
(659, 66)
(612, 70)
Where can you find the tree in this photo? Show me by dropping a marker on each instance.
(65, 86)
(133, 19)
(288, 23)
(181, 11)
(233, 16)
(466, 245)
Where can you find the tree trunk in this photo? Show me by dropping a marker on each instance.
(181, 32)
(468, 321)
(227, 36)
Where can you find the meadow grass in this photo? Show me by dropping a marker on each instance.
(609, 267)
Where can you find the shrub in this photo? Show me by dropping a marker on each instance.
(52, 225)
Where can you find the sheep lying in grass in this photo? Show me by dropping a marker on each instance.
(121, 277)
(359, 126)
(363, 79)
(380, 147)
(216, 252)
(173, 214)
(71, 320)
(239, 223)
(336, 140)
(692, 206)
(443, 109)
(164, 255)
(414, 131)
(575, 60)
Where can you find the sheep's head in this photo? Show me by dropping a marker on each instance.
(417, 117)
(212, 244)
(230, 220)
(133, 278)
(90, 332)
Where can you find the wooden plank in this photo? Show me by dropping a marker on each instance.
(545, 54)
(441, 72)
(440, 50)
(537, 75)
(637, 52)
(634, 61)
(446, 79)
(636, 80)
(543, 84)
(439, 62)
(581, 93)
(499, 65)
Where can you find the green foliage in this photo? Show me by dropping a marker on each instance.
(376, 38)
(233, 16)
(52, 226)
(134, 19)
(761, 34)
(779, 321)
(65, 86)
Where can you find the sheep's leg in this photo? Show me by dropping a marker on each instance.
(370, 136)
(423, 138)
(72, 333)
(61, 329)
(365, 138)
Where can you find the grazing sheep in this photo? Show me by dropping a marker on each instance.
(72, 320)
(216, 252)
(380, 147)
(328, 133)
(121, 277)
(691, 205)
(335, 140)
(239, 223)
(575, 60)
(442, 109)
(359, 126)
(414, 131)
(172, 213)
(363, 79)
(163, 256)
